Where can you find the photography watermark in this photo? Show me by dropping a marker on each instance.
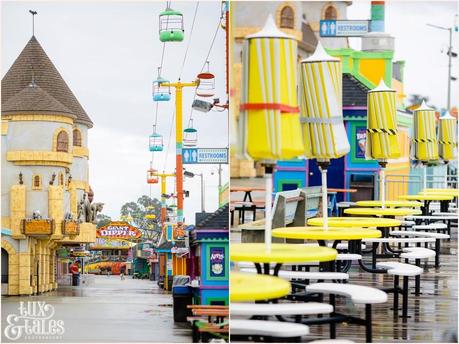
(34, 322)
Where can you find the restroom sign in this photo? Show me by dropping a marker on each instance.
(344, 28)
(205, 155)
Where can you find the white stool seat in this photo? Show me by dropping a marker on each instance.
(400, 269)
(305, 308)
(433, 226)
(417, 253)
(348, 256)
(307, 275)
(267, 328)
(357, 293)
(420, 234)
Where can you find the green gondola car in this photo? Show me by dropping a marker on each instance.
(171, 27)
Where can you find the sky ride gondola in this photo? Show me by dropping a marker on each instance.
(190, 136)
(161, 89)
(171, 28)
(152, 177)
(156, 141)
(206, 86)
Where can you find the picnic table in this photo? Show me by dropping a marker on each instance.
(251, 287)
(209, 321)
(386, 212)
(427, 198)
(454, 192)
(247, 191)
(389, 204)
(353, 235)
(279, 254)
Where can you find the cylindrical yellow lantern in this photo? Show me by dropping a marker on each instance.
(321, 106)
(447, 137)
(425, 147)
(269, 125)
(382, 143)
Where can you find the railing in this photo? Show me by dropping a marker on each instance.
(400, 184)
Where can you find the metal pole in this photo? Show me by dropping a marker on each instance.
(383, 188)
(178, 157)
(269, 191)
(450, 53)
(202, 194)
(323, 171)
(163, 201)
(425, 177)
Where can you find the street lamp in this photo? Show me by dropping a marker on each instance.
(191, 175)
(450, 55)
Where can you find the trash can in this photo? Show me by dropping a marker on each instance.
(182, 297)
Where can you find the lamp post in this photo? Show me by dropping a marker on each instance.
(191, 175)
(450, 55)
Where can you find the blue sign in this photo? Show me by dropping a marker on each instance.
(344, 28)
(205, 155)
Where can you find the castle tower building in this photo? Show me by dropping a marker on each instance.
(44, 175)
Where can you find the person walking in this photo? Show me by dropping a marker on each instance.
(75, 270)
(122, 271)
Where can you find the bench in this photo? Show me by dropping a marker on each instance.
(398, 269)
(288, 210)
(264, 331)
(446, 219)
(436, 236)
(358, 295)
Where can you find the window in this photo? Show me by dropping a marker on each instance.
(330, 13)
(76, 137)
(36, 182)
(287, 18)
(62, 142)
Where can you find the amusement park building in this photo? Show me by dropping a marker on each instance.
(44, 171)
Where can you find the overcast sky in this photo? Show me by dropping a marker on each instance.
(108, 53)
(422, 47)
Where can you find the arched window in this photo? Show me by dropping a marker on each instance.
(36, 182)
(287, 18)
(62, 142)
(76, 137)
(330, 13)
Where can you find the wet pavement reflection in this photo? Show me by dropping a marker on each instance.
(111, 310)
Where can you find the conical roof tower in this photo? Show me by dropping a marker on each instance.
(34, 63)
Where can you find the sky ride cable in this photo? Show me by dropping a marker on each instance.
(189, 40)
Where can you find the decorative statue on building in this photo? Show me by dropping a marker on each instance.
(53, 178)
(87, 211)
(36, 215)
(20, 179)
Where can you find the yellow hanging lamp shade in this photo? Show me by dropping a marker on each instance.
(269, 124)
(447, 137)
(424, 139)
(382, 143)
(321, 95)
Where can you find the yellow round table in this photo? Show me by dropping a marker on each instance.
(251, 287)
(428, 197)
(389, 204)
(280, 253)
(320, 233)
(454, 192)
(353, 235)
(355, 222)
(382, 212)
